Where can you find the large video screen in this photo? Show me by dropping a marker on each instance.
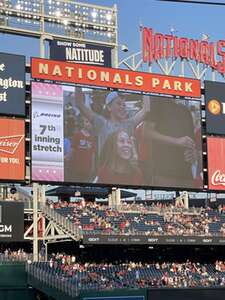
(93, 136)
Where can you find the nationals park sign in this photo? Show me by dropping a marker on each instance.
(46, 69)
(157, 46)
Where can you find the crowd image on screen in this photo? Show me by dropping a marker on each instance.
(117, 134)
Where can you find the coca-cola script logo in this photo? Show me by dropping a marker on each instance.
(9, 144)
(218, 178)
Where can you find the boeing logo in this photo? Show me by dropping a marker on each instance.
(49, 115)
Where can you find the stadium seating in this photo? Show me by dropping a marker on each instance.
(91, 276)
(100, 219)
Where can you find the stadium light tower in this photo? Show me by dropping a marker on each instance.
(61, 19)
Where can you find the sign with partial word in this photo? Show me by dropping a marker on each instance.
(11, 221)
(12, 84)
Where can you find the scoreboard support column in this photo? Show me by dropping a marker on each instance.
(35, 221)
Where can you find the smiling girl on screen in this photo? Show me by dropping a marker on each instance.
(118, 161)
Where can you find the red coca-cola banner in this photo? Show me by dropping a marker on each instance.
(216, 163)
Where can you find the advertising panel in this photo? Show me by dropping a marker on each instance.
(12, 149)
(84, 135)
(114, 78)
(80, 52)
(216, 163)
(12, 84)
(122, 297)
(152, 240)
(215, 107)
(193, 293)
(11, 221)
(47, 132)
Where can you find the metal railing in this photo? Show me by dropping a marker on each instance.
(29, 204)
(158, 210)
(15, 257)
(61, 283)
(67, 225)
(40, 273)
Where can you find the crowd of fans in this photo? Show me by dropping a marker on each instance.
(105, 275)
(157, 219)
(82, 273)
(15, 255)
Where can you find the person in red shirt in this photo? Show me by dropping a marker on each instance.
(83, 153)
(118, 161)
(144, 150)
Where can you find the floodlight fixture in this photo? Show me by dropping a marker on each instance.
(108, 16)
(18, 7)
(94, 14)
(65, 22)
(58, 13)
(62, 19)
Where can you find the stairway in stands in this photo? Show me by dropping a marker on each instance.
(62, 223)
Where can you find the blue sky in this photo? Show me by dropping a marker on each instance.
(189, 20)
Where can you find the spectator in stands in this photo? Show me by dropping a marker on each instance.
(157, 219)
(118, 161)
(70, 127)
(106, 275)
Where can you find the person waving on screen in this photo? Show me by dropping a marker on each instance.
(117, 116)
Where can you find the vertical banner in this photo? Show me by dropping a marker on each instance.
(47, 132)
(12, 149)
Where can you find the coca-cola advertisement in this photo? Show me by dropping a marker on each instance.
(216, 163)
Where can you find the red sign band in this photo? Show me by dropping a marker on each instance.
(114, 78)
